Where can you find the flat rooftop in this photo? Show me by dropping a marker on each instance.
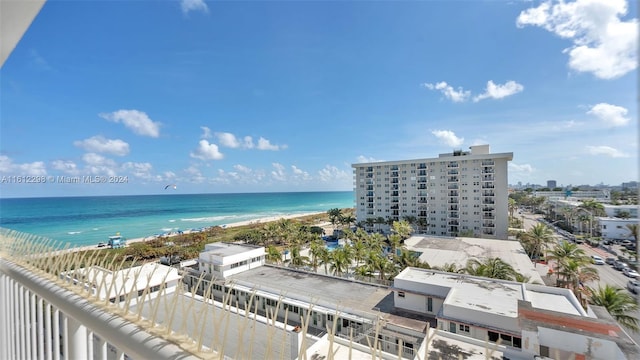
(498, 297)
(438, 251)
(223, 249)
(332, 292)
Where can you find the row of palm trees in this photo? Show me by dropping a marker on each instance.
(573, 271)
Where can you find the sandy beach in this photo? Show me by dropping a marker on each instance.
(235, 224)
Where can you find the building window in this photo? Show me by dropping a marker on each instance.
(430, 304)
(464, 328)
(401, 294)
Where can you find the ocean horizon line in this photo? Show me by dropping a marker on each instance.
(174, 194)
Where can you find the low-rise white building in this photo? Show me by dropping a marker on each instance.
(529, 320)
(222, 260)
(613, 228)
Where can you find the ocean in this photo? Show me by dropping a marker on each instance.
(83, 221)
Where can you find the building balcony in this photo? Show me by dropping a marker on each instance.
(487, 178)
(395, 193)
(488, 186)
(422, 166)
(488, 225)
(453, 207)
(453, 186)
(488, 193)
(422, 173)
(452, 164)
(453, 215)
(488, 217)
(394, 174)
(422, 187)
(452, 179)
(488, 163)
(453, 193)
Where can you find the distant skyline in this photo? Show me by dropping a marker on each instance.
(224, 97)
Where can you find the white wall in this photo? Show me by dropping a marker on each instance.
(615, 228)
(564, 343)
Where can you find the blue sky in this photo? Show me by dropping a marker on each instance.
(285, 96)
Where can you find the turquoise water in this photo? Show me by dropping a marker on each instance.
(89, 220)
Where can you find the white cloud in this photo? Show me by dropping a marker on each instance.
(603, 44)
(497, 91)
(365, 159)
(524, 169)
(299, 173)
(140, 170)
(67, 167)
(264, 144)
(331, 173)
(611, 115)
(206, 132)
(448, 137)
(449, 92)
(194, 175)
(248, 142)
(227, 140)
(242, 169)
(137, 121)
(606, 150)
(193, 5)
(97, 164)
(35, 168)
(102, 145)
(278, 172)
(206, 151)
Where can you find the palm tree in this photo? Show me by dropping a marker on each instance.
(375, 242)
(402, 228)
(494, 268)
(412, 220)
(325, 258)
(359, 251)
(575, 274)
(339, 261)
(381, 264)
(512, 207)
(370, 222)
(618, 303)
(273, 254)
(563, 254)
(422, 224)
(450, 267)
(380, 221)
(348, 220)
(297, 260)
(335, 216)
(315, 249)
(537, 239)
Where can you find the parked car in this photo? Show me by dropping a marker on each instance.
(631, 247)
(619, 265)
(625, 242)
(630, 273)
(610, 260)
(597, 260)
(634, 286)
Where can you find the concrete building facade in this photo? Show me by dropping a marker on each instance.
(464, 192)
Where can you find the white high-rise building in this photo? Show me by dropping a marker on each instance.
(463, 193)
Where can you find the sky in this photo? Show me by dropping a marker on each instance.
(127, 97)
